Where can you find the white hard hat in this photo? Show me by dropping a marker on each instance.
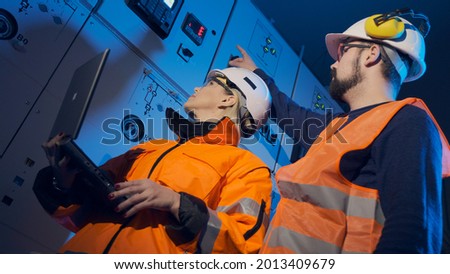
(410, 42)
(255, 92)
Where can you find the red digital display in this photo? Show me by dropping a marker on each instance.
(201, 31)
(194, 29)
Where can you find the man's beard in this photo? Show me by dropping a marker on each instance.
(339, 87)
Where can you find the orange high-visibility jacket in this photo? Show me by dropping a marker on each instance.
(234, 184)
(320, 211)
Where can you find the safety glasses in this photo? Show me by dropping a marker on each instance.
(228, 85)
(344, 47)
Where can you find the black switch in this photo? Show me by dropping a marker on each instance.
(187, 52)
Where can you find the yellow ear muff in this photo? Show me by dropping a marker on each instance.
(392, 28)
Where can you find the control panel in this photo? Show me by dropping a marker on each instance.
(159, 15)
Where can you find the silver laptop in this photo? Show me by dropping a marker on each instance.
(70, 118)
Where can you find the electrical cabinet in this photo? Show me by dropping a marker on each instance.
(178, 56)
(44, 32)
(144, 75)
(147, 71)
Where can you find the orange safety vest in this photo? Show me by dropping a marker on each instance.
(233, 183)
(320, 211)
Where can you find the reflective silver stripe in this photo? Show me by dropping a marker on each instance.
(245, 206)
(211, 233)
(301, 244)
(332, 198)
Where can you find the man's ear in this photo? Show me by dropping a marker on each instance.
(374, 55)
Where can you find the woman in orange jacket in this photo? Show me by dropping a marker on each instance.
(199, 194)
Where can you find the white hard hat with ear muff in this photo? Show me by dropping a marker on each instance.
(393, 31)
(254, 92)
